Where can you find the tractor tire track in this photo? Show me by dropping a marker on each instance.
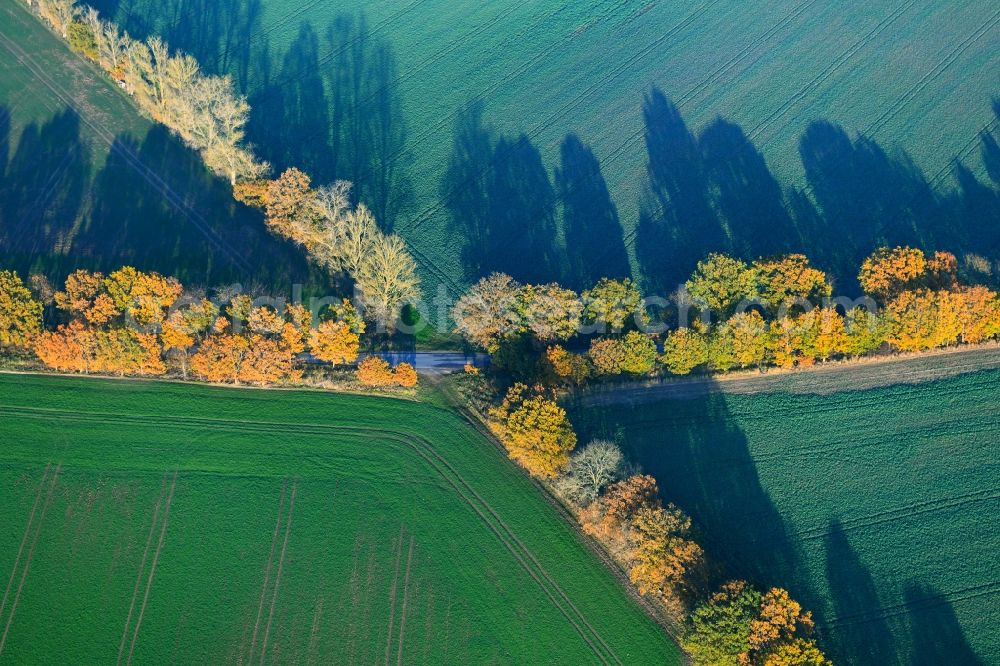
(277, 576)
(933, 74)
(142, 568)
(30, 556)
(425, 450)
(406, 599)
(267, 570)
(885, 612)
(24, 537)
(152, 568)
(831, 69)
(392, 594)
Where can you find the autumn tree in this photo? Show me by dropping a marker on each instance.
(375, 371)
(220, 358)
(20, 313)
(609, 305)
(787, 278)
(608, 518)
(405, 375)
(387, 279)
(535, 431)
(566, 366)
(978, 314)
(886, 272)
(913, 320)
(289, 205)
(865, 331)
(549, 312)
(334, 342)
(749, 338)
(720, 283)
(662, 550)
(684, 350)
(721, 349)
(779, 620)
(799, 652)
(488, 311)
(607, 356)
(717, 632)
(638, 353)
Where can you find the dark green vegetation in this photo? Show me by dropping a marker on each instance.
(876, 509)
(86, 182)
(633, 133)
(189, 524)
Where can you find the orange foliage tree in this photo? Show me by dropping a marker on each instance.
(375, 371)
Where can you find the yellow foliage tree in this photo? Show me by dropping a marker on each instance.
(20, 313)
(535, 431)
(334, 342)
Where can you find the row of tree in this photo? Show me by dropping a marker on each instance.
(775, 311)
(207, 114)
(340, 237)
(168, 87)
(134, 323)
(653, 542)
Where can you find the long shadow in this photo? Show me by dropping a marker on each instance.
(935, 634)
(152, 205)
(223, 35)
(702, 461)
(746, 194)
(500, 198)
(716, 193)
(289, 119)
(861, 634)
(677, 223)
(595, 245)
(42, 190)
(180, 221)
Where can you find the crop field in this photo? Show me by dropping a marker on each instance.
(167, 523)
(86, 182)
(877, 508)
(521, 131)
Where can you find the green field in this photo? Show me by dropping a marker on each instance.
(86, 182)
(877, 509)
(168, 523)
(546, 103)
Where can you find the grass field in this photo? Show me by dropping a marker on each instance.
(86, 182)
(876, 508)
(545, 102)
(167, 523)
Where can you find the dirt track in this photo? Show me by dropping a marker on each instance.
(821, 379)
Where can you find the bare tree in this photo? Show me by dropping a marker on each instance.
(593, 467)
(387, 279)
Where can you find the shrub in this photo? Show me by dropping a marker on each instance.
(405, 375)
(375, 371)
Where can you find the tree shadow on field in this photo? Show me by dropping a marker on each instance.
(595, 244)
(334, 110)
(178, 219)
(42, 189)
(222, 35)
(501, 201)
(677, 224)
(715, 193)
(861, 634)
(702, 462)
(289, 119)
(935, 634)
